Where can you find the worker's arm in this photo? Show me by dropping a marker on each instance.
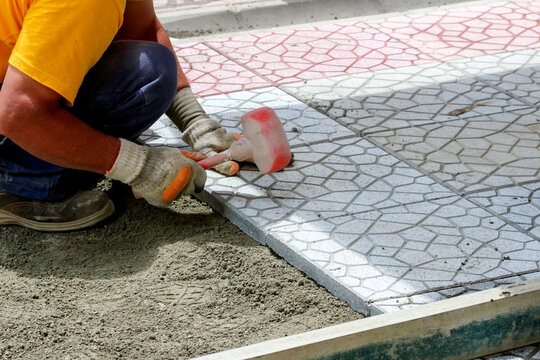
(32, 116)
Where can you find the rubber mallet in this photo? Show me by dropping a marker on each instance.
(264, 141)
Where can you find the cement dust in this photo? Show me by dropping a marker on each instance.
(150, 284)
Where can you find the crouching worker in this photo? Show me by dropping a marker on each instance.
(80, 81)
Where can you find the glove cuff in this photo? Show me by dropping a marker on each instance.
(185, 110)
(197, 130)
(129, 162)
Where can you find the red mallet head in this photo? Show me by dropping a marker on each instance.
(271, 149)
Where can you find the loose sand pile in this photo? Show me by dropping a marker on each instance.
(150, 284)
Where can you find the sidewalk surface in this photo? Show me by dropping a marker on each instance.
(416, 141)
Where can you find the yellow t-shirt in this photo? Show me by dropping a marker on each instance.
(56, 42)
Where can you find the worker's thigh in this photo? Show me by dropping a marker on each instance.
(130, 87)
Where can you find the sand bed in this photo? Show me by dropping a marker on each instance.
(150, 284)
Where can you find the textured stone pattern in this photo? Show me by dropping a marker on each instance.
(410, 249)
(212, 73)
(320, 51)
(402, 303)
(302, 124)
(326, 180)
(480, 153)
(519, 205)
(468, 32)
(516, 73)
(402, 97)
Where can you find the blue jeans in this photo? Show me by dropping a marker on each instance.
(129, 88)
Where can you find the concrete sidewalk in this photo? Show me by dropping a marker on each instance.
(416, 141)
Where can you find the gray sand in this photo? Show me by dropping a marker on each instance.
(150, 284)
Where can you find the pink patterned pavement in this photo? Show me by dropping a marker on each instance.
(309, 52)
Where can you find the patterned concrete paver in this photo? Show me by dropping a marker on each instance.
(313, 52)
(480, 153)
(402, 303)
(517, 73)
(212, 73)
(519, 205)
(399, 98)
(403, 250)
(302, 124)
(467, 32)
(326, 180)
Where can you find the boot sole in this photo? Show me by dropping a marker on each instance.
(7, 218)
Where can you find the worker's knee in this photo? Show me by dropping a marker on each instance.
(130, 87)
(158, 67)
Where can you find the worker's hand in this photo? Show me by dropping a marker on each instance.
(150, 170)
(203, 134)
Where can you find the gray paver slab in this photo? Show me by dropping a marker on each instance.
(517, 73)
(402, 303)
(326, 180)
(520, 205)
(402, 97)
(479, 153)
(412, 249)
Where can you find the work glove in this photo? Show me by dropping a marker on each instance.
(203, 134)
(150, 170)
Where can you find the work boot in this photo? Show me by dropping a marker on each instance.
(83, 209)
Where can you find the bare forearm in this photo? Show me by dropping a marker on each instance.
(58, 137)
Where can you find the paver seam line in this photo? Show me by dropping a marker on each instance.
(477, 191)
(502, 218)
(458, 192)
(353, 213)
(494, 85)
(322, 141)
(464, 194)
(462, 284)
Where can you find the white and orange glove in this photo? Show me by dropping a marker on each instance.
(151, 170)
(203, 134)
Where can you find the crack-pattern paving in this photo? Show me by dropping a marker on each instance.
(302, 124)
(516, 73)
(326, 180)
(519, 205)
(403, 97)
(394, 252)
(211, 73)
(422, 298)
(467, 32)
(484, 152)
(319, 51)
